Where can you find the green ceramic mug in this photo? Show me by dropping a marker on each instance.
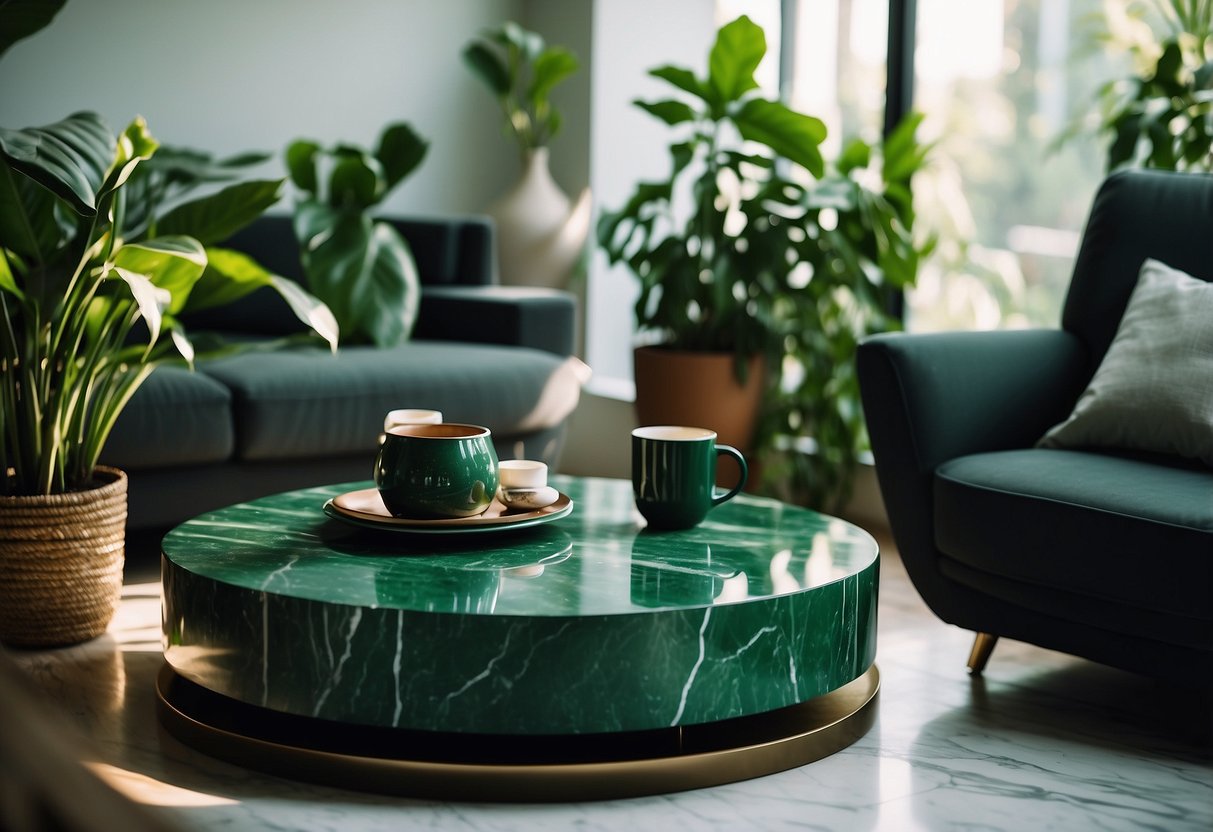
(674, 474)
(428, 472)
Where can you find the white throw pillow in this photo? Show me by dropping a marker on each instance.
(1154, 389)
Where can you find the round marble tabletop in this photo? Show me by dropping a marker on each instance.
(590, 624)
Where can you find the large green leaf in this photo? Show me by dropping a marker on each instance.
(1168, 75)
(364, 272)
(513, 36)
(173, 264)
(189, 166)
(23, 18)
(309, 309)
(903, 154)
(230, 275)
(181, 339)
(213, 218)
(790, 134)
(7, 282)
(70, 158)
(151, 299)
(1126, 130)
(681, 155)
(30, 225)
(671, 112)
(301, 165)
(487, 65)
(312, 221)
(401, 150)
(856, 155)
(684, 79)
(552, 66)
(357, 181)
(739, 49)
(134, 145)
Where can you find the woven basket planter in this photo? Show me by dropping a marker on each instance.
(61, 560)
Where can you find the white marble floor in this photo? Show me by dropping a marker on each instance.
(1042, 741)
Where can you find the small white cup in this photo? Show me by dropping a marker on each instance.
(411, 416)
(522, 473)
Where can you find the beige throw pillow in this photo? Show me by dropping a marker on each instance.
(1154, 389)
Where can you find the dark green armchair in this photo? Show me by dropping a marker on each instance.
(1102, 554)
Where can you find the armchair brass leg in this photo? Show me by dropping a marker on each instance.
(983, 646)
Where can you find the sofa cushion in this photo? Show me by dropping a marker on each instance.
(1111, 527)
(1154, 389)
(310, 403)
(176, 417)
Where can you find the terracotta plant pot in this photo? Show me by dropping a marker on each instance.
(61, 560)
(700, 389)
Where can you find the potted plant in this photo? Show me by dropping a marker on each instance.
(541, 232)
(91, 308)
(760, 268)
(362, 268)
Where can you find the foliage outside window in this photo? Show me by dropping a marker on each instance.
(1161, 116)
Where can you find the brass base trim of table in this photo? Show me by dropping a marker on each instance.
(515, 768)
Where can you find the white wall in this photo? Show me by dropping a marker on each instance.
(235, 75)
(628, 145)
(568, 23)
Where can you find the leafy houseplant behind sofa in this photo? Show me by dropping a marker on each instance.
(264, 422)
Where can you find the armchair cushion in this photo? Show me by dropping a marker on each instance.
(1154, 389)
(1127, 530)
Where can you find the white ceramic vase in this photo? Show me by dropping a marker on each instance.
(541, 233)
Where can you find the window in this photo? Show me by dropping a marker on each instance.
(1000, 81)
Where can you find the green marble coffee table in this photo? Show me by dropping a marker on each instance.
(578, 634)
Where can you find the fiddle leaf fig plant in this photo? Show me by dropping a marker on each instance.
(754, 244)
(90, 310)
(695, 261)
(361, 268)
(521, 71)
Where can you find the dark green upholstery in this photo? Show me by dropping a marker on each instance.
(176, 418)
(1093, 552)
(1009, 513)
(523, 316)
(300, 403)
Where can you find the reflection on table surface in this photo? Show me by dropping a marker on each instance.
(599, 560)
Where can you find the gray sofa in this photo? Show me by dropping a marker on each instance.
(268, 421)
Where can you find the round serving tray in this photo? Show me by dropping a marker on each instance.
(365, 508)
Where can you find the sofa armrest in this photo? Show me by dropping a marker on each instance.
(931, 398)
(542, 319)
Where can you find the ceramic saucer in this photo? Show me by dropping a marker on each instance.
(365, 508)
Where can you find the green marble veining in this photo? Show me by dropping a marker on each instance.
(589, 624)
